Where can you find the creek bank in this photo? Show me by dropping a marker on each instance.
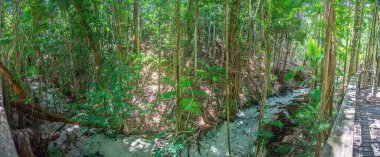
(75, 141)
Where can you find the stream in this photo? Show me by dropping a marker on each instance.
(212, 144)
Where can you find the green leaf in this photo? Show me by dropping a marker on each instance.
(289, 76)
(190, 105)
(32, 70)
(200, 93)
(217, 79)
(200, 71)
(186, 83)
(168, 95)
(6, 40)
(169, 81)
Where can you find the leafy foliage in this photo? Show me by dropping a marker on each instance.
(190, 105)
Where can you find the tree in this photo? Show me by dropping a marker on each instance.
(355, 39)
(328, 71)
(136, 26)
(265, 17)
(86, 27)
(227, 79)
(177, 66)
(376, 65)
(196, 38)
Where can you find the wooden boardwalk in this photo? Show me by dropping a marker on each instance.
(7, 147)
(356, 130)
(367, 127)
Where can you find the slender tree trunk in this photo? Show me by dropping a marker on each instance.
(346, 54)
(196, 38)
(136, 25)
(227, 86)
(159, 55)
(265, 16)
(328, 71)
(355, 39)
(177, 66)
(250, 28)
(376, 65)
(234, 87)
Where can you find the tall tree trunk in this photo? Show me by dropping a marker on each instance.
(196, 38)
(355, 39)
(227, 79)
(177, 66)
(328, 71)
(376, 65)
(234, 87)
(346, 54)
(136, 25)
(265, 16)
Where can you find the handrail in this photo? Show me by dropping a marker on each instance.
(358, 85)
(7, 147)
(340, 141)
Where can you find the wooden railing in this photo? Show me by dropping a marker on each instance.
(340, 142)
(365, 81)
(7, 147)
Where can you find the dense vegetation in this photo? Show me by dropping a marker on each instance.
(176, 69)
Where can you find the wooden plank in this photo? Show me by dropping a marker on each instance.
(7, 146)
(340, 142)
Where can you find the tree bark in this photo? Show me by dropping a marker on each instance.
(227, 84)
(376, 66)
(355, 39)
(91, 41)
(265, 16)
(328, 72)
(177, 66)
(136, 25)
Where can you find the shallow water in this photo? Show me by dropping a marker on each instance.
(243, 129)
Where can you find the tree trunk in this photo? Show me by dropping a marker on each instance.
(90, 39)
(346, 55)
(328, 71)
(196, 38)
(177, 66)
(227, 85)
(136, 25)
(355, 39)
(376, 66)
(265, 16)
(234, 87)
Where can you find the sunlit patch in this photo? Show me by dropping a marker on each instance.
(156, 119)
(214, 150)
(201, 122)
(125, 141)
(240, 114)
(71, 129)
(139, 144)
(1, 109)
